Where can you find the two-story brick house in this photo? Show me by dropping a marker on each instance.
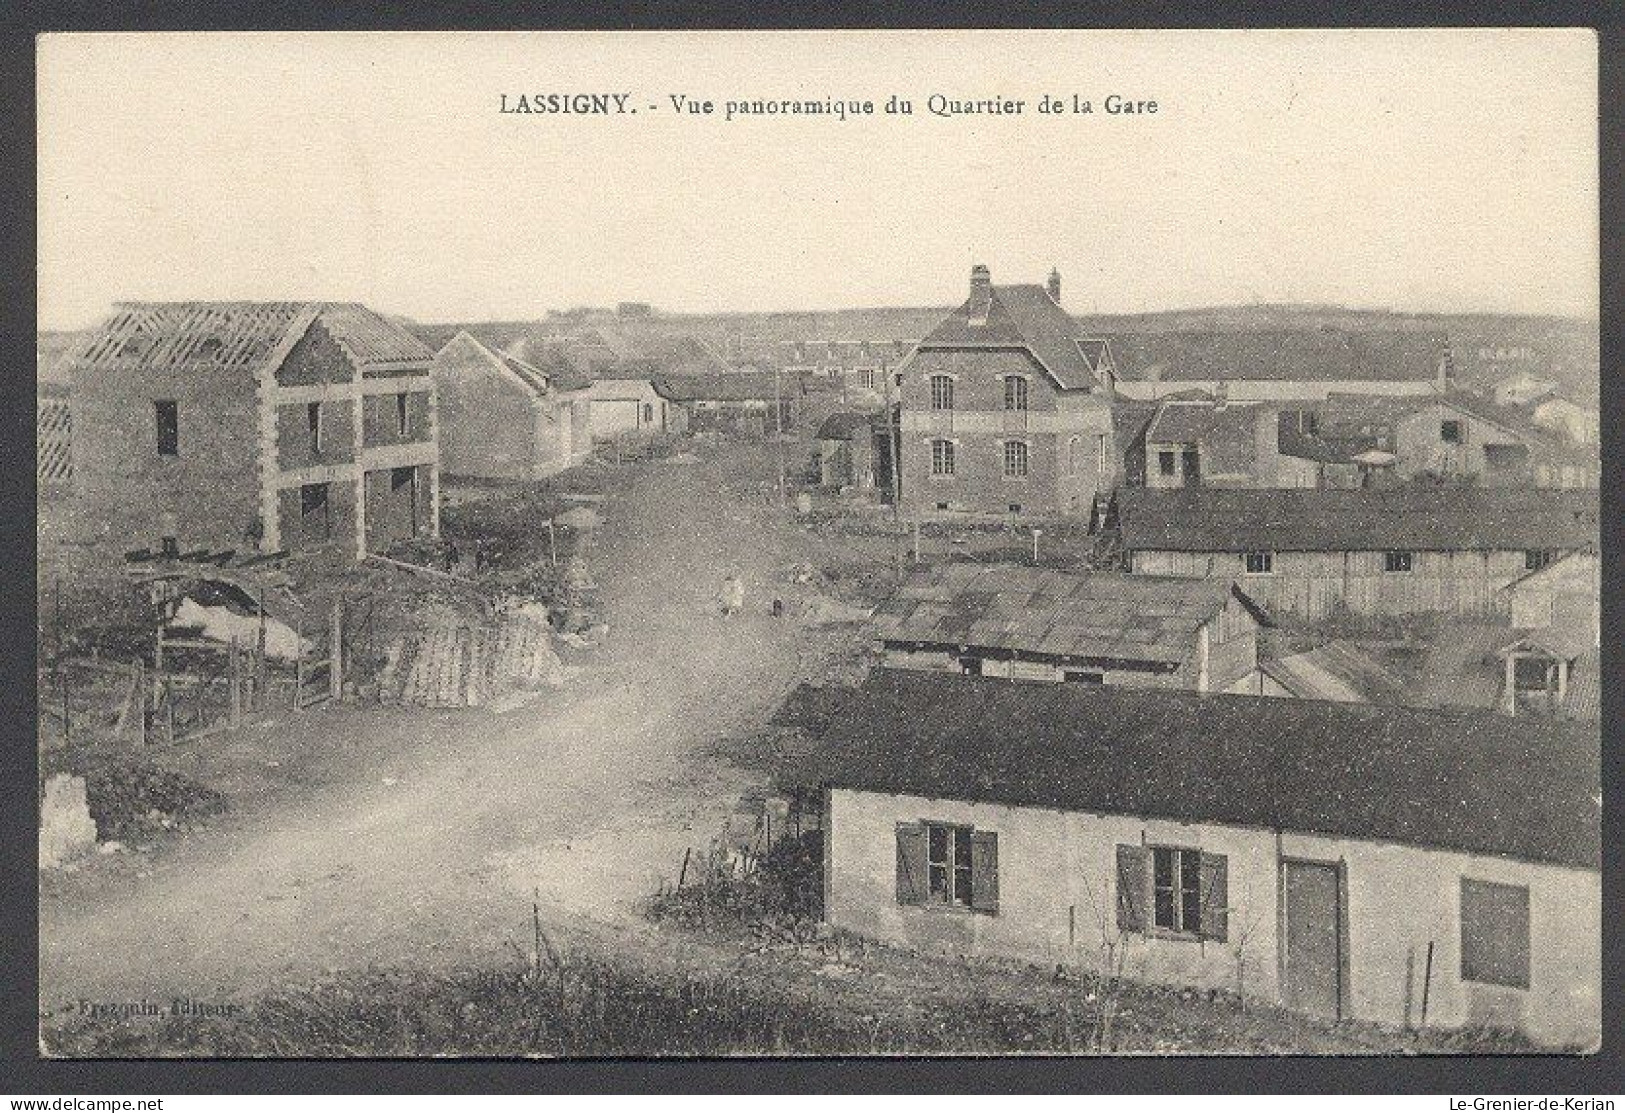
(255, 426)
(1006, 409)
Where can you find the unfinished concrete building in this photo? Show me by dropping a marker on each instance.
(299, 426)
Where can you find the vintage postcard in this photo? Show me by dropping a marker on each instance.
(818, 543)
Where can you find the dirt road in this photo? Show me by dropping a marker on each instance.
(427, 837)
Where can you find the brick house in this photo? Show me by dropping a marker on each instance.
(1006, 409)
(304, 426)
(1343, 860)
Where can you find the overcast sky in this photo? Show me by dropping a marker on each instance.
(1415, 170)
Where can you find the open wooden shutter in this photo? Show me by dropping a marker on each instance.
(1133, 884)
(1215, 897)
(984, 871)
(911, 863)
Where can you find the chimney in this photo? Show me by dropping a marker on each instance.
(981, 294)
(1055, 285)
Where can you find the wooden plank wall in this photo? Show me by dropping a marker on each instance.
(1313, 585)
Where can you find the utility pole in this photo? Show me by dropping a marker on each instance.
(778, 423)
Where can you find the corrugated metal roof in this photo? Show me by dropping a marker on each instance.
(1315, 520)
(1041, 611)
(1471, 781)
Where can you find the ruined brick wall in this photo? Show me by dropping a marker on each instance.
(397, 505)
(381, 414)
(210, 487)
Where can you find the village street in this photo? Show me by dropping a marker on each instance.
(420, 837)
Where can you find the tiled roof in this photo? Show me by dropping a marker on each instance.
(1203, 423)
(1314, 520)
(241, 334)
(1471, 781)
(1022, 317)
(1098, 615)
(1317, 354)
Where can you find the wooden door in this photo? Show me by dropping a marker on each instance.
(1314, 938)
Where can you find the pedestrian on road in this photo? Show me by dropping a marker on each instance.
(732, 596)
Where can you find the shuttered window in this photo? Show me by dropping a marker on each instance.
(947, 865)
(1173, 890)
(1494, 933)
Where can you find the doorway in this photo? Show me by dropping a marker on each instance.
(1313, 937)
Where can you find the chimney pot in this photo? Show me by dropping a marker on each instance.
(981, 294)
(1055, 285)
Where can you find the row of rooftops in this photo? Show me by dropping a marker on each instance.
(1469, 781)
(1030, 317)
(1410, 518)
(241, 334)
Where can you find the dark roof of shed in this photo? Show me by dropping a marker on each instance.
(1060, 614)
(1338, 670)
(1315, 354)
(1024, 317)
(1317, 520)
(730, 386)
(845, 425)
(1193, 422)
(237, 334)
(1470, 781)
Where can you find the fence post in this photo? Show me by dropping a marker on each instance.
(335, 653)
(298, 660)
(235, 669)
(262, 673)
(141, 699)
